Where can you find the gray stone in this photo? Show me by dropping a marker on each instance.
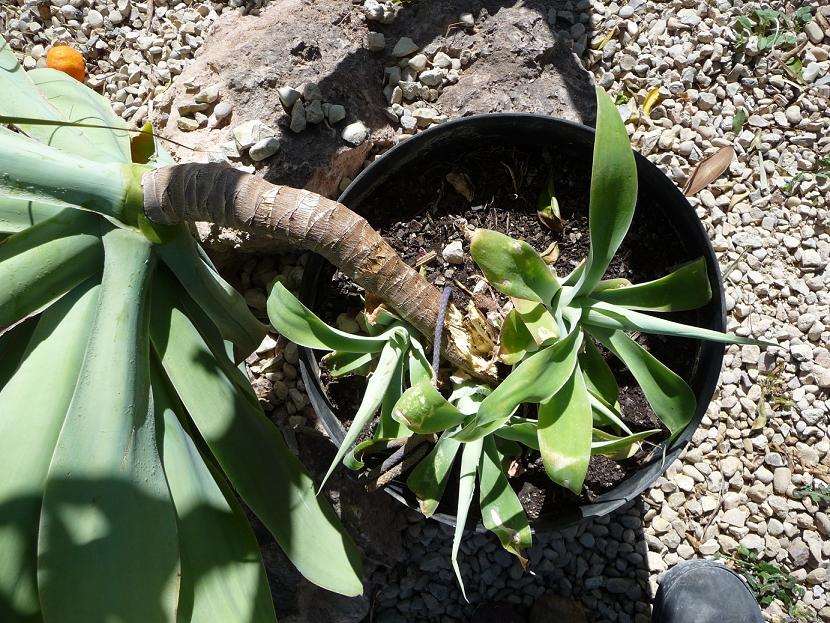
(314, 112)
(814, 32)
(310, 92)
(188, 107)
(221, 112)
(373, 10)
(336, 113)
(404, 47)
(250, 132)
(431, 77)
(376, 41)
(418, 62)
(781, 478)
(355, 133)
(208, 95)
(298, 120)
(263, 149)
(186, 124)
(288, 97)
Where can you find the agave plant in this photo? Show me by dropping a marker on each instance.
(551, 339)
(127, 431)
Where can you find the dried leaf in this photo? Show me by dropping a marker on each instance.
(461, 183)
(604, 41)
(761, 417)
(551, 254)
(547, 208)
(651, 100)
(708, 170)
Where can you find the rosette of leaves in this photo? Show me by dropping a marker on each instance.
(127, 431)
(551, 339)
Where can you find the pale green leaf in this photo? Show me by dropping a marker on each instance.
(418, 366)
(429, 478)
(515, 341)
(565, 424)
(501, 510)
(388, 427)
(685, 288)
(217, 298)
(470, 458)
(597, 373)
(538, 321)
(37, 172)
(536, 379)
(513, 267)
(618, 448)
(613, 192)
(252, 453)
(342, 364)
(606, 414)
(77, 103)
(669, 396)
(376, 387)
(19, 214)
(612, 317)
(30, 422)
(225, 580)
(21, 98)
(302, 326)
(107, 517)
(40, 264)
(423, 409)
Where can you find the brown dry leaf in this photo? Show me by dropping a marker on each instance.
(708, 170)
(461, 183)
(651, 101)
(551, 254)
(326, 179)
(761, 417)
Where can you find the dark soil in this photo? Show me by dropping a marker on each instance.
(422, 213)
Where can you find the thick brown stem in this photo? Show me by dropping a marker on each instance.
(220, 194)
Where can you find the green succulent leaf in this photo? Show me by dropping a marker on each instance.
(251, 451)
(501, 512)
(565, 424)
(225, 581)
(418, 365)
(30, 422)
(146, 148)
(302, 326)
(13, 344)
(669, 396)
(536, 379)
(388, 427)
(21, 98)
(19, 214)
(342, 364)
(513, 267)
(539, 322)
(606, 414)
(613, 192)
(40, 264)
(516, 340)
(598, 376)
(105, 484)
(616, 447)
(217, 298)
(429, 478)
(610, 316)
(354, 457)
(685, 288)
(37, 172)
(470, 458)
(378, 384)
(520, 430)
(423, 409)
(78, 103)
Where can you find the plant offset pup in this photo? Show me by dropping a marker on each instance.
(550, 338)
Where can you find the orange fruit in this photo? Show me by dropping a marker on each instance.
(68, 60)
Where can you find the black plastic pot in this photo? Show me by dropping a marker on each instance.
(535, 132)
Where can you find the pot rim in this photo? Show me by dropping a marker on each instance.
(710, 353)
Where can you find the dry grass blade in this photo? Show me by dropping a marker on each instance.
(708, 170)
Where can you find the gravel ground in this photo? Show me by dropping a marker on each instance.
(768, 219)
